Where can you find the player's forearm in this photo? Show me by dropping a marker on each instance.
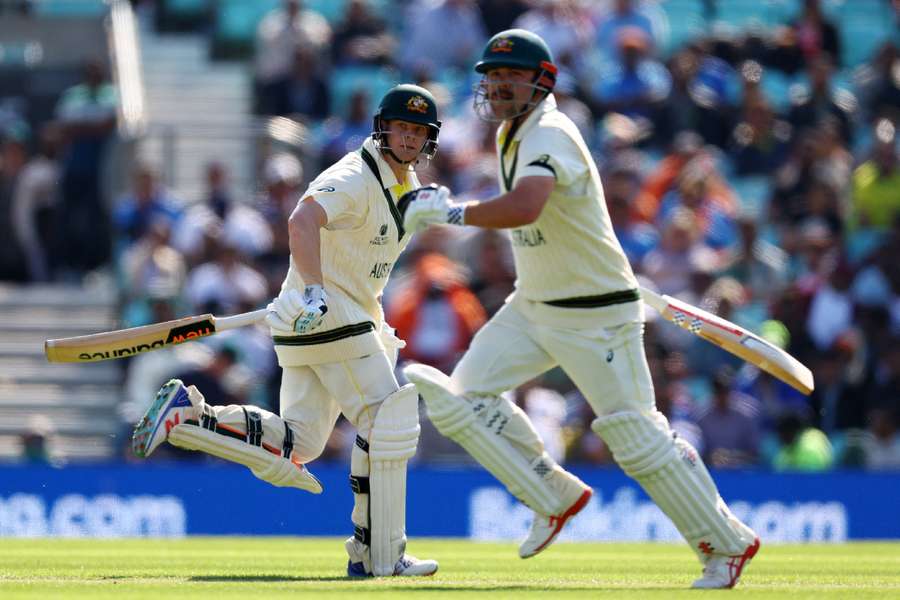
(304, 231)
(502, 212)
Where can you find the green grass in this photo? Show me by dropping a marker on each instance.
(265, 568)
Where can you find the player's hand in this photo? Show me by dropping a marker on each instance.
(429, 205)
(292, 312)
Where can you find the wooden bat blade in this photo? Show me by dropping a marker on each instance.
(735, 339)
(127, 342)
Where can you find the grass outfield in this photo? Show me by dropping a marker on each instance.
(264, 568)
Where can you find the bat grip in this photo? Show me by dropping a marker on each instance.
(241, 320)
(655, 300)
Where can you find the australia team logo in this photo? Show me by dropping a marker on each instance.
(417, 104)
(382, 238)
(502, 45)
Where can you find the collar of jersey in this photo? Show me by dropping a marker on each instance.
(388, 179)
(547, 104)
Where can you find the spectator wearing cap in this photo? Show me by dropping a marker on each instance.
(634, 85)
(730, 429)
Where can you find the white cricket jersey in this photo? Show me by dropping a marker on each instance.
(359, 245)
(569, 257)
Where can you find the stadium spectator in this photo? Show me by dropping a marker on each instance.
(758, 264)
(282, 175)
(220, 386)
(566, 27)
(278, 36)
(620, 187)
(147, 202)
(731, 435)
(882, 444)
(151, 269)
(493, 275)
(878, 86)
(451, 30)
(831, 309)
(87, 115)
(704, 92)
(343, 135)
(361, 38)
(13, 157)
(681, 249)
(547, 410)
(809, 36)
(241, 224)
(876, 182)
(499, 15)
(204, 290)
(437, 314)
(759, 142)
(305, 94)
(823, 100)
(842, 395)
(635, 84)
(620, 14)
(801, 447)
(34, 203)
(711, 213)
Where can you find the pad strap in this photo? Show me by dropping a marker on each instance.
(287, 446)
(253, 421)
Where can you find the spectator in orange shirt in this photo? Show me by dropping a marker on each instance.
(436, 314)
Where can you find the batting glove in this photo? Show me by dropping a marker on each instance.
(292, 313)
(430, 205)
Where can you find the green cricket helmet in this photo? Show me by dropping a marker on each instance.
(519, 49)
(515, 49)
(412, 103)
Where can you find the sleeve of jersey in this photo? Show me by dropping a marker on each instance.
(550, 152)
(342, 201)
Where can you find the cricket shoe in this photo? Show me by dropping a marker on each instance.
(407, 566)
(544, 529)
(172, 406)
(723, 572)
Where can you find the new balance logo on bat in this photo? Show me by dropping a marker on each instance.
(176, 335)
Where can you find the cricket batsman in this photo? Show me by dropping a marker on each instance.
(335, 349)
(576, 304)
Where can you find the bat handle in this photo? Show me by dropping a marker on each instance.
(241, 320)
(655, 300)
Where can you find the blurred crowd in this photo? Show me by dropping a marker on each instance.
(752, 172)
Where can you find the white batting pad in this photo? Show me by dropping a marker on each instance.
(392, 442)
(267, 466)
(519, 463)
(671, 472)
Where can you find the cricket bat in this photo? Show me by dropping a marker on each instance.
(734, 339)
(128, 342)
